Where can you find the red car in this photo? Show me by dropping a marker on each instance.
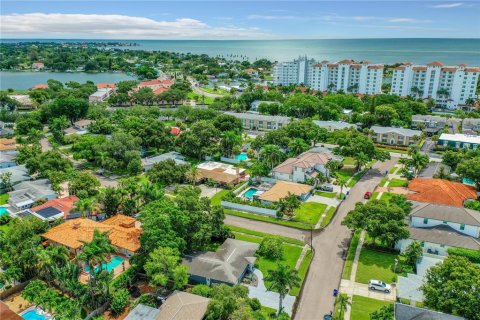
(367, 195)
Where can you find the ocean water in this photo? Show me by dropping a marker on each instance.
(448, 51)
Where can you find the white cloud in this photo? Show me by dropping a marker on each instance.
(448, 5)
(57, 25)
(336, 18)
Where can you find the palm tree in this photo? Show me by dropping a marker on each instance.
(84, 206)
(192, 175)
(230, 139)
(289, 204)
(360, 159)
(282, 280)
(331, 166)
(342, 182)
(470, 102)
(412, 149)
(271, 154)
(297, 146)
(418, 162)
(343, 302)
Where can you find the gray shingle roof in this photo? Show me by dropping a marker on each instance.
(446, 213)
(427, 117)
(147, 163)
(335, 125)
(143, 312)
(407, 312)
(402, 131)
(260, 117)
(444, 235)
(227, 264)
(19, 173)
(183, 306)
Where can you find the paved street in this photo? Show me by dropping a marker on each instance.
(330, 247)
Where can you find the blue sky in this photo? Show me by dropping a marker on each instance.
(105, 19)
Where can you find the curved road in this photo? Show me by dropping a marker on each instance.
(330, 246)
(198, 90)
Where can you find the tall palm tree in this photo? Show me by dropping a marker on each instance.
(418, 162)
(342, 182)
(282, 280)
(342, 301)
(360, 159)
(412, 149)
(271, 154)
(84, 206)
(230, 139)
(297, 146)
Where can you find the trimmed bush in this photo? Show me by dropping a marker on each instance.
(472, 255)
(119, 301)
(271, 248)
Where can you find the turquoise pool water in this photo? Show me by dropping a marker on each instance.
(33, 315)
(241, 157)
(3, 211)
(249, 193)
(465, 180)
(109, 266)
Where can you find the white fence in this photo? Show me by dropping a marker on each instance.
(250, 209)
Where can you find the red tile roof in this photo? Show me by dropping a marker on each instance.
(160, 90)
(7, 314)
(356, 66)
(332, 65)
(106, 85)
(440, 191)
(317, 65)
(472, 69)
(250, 70)
(419, 68)
(150, 83)
(63, 204)
(462, 65)
(375, 67)
(345, 62)
(453, 69)
(435, 64)
(40, 86)
(400, 68)
(175, 130)
(324, 61)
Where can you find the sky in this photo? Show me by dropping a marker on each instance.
(254, 19)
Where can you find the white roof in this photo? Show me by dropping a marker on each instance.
(402, 131)
(460, 138)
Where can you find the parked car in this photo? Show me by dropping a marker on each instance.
(379, 285)
(326, 187)
(367, 195)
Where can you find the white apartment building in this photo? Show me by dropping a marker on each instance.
(450, 86)
(345, 75)
(298, 71)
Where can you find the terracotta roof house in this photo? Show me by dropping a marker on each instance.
(8, 145)
(440, 191)
(281, 189)
(178, 306)
(106, 85)
(123, 232)
(220, 172)
(40, 86)
(175, 130)
(228, 264)
(55, 209)
(158, 86)
(303, 167)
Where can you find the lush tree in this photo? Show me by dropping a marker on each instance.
(470, 169)
(168, 172)
(297, 146)
(164, 266)
(271, 247)
(300, 105)
(342, 302)
(230, 141)
(71, 107)
(451, 159)
(282, 280)
(288, 204)
(83, 182)
(226, 122)
(385, 114)
(413, 253)
(384, 313)
(146, 72)
(453, 287)
(50, 161)
(202, 139)
(271, 155)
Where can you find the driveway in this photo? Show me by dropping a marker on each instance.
(361, 289)
(207, 191)
(330, 248)
(269, 298)
(333, 202)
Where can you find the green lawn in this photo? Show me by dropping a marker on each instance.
(302, 271)
(355, 179)
(393, 170)
(290, 256)
(326, 194)
(347, 269)
(349, 160)
(262, 234)
(383, 182)
(6, 226)
(4, 198)
(363, 306)
(346, 173)
(207, 100)
(328, 217)
(212, 90)
(247, 237)
(288, 223)
(309, 212)
(397, 183)
(217, 198)
(386, 196)
(375, 265)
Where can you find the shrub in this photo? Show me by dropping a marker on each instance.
(5, 219)
(271, 248)
(472, 255)
(148, 300)
(119, 301)
(255, 304)
(202, 290)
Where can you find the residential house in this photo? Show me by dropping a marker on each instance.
(255, 121)
(36, 66)
(123, 232)
(439, 227)
(158, 86)
(252, 72)
(18, 174)
(6, 128)
(8, 146)
(428, 123)
(178, 306)
(281, 189)
(395, 136)
(302, 168)
(25, 101)
(8, 160)
(106, 85)
(228, 265)
(40, 86)
(459, 141)
(408, 312)
(79, 127)
(100, 95)
(334, 125)
(471, 126)
(51, 210)
(439, 191)
(147, 163)
(222, 173)
(26, 193)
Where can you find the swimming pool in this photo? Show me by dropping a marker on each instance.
(241, 156)
(35, 314)
(3, 211)
(249, 193)
(109, 266)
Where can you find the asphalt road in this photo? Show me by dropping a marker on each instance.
(330, 248)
